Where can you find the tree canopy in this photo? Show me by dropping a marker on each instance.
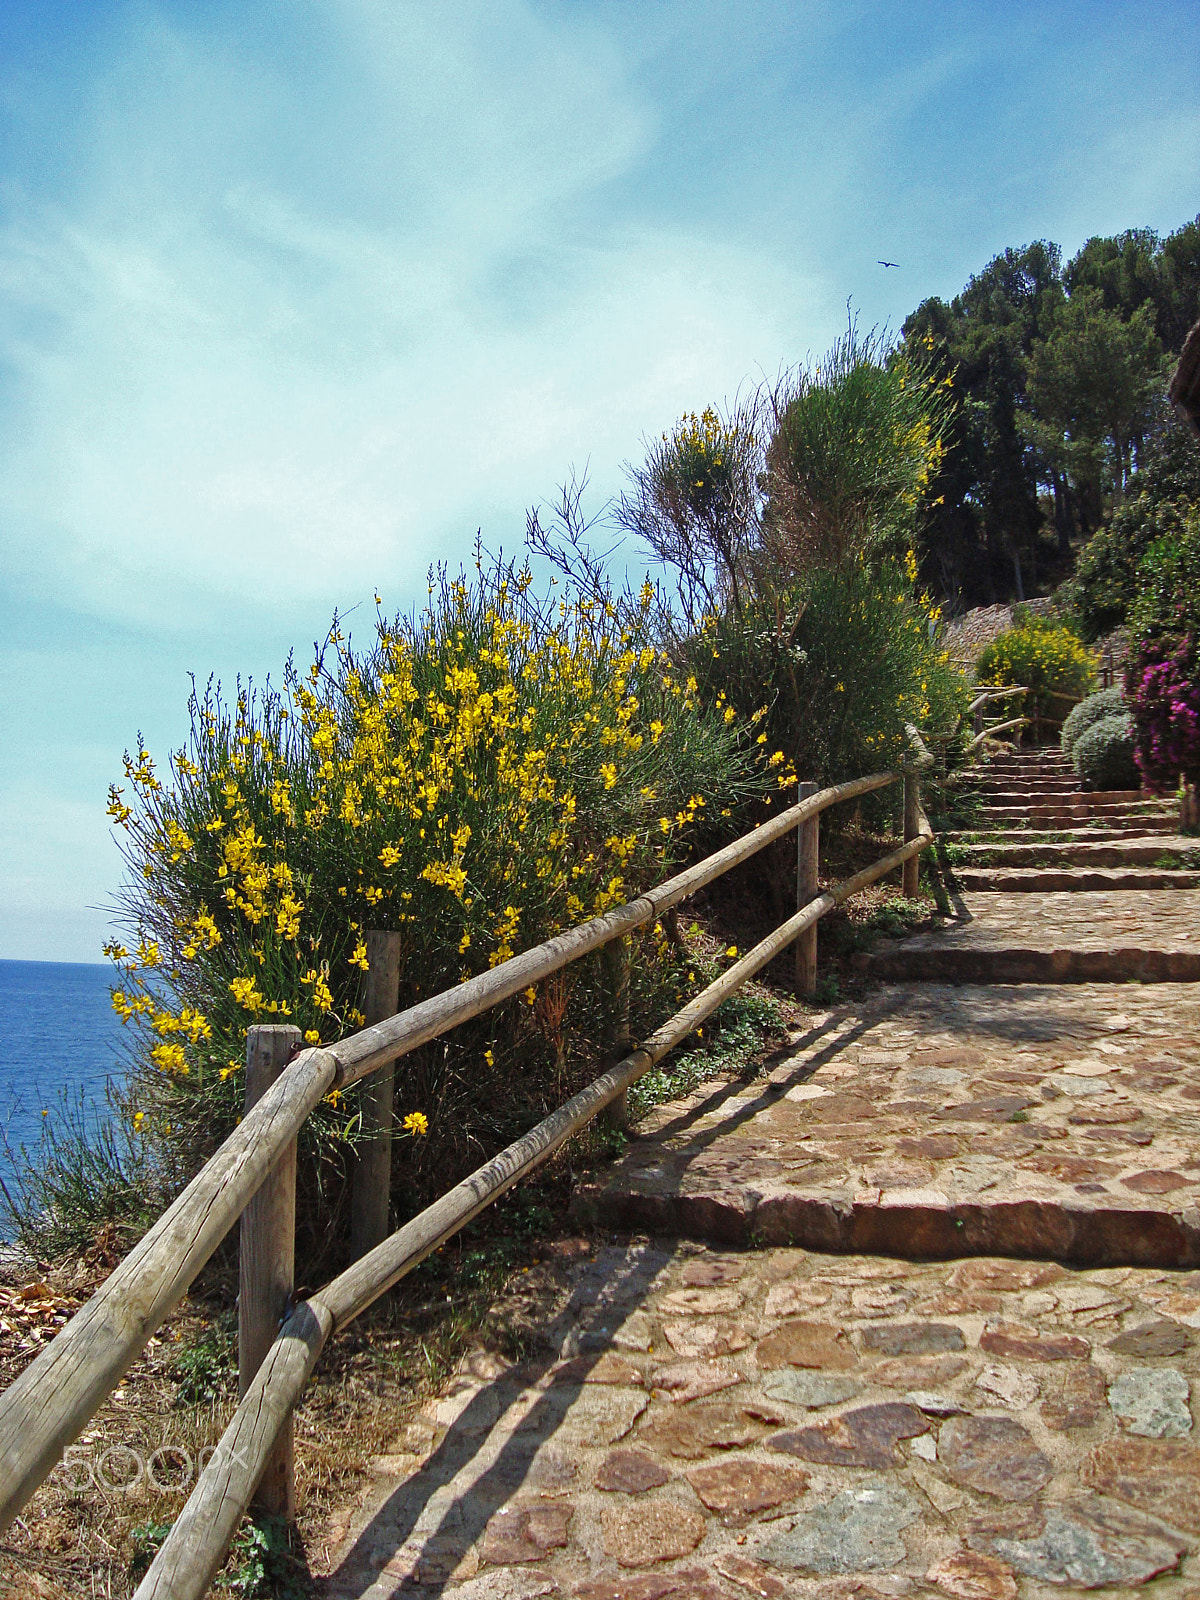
(1056, 376)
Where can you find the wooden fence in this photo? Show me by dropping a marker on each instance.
(986, 729)
(252, 1177)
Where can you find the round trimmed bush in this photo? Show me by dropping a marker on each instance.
(1103, 755)
(1108, 703)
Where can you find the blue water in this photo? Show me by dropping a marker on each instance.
(58, 1035)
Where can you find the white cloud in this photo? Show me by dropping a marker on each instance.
(271, 396)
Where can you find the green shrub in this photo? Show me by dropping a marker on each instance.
(856, 442)
(841, 662)
(1103, 755)
(89, 1177)
(483, 776)
(1168, 599)
(1046, 656)
(1105, 582)
(1108, 703)
(695, 504)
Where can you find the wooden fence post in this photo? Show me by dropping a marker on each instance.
(912, 827)
(373, 1167)
(808, 845)
(615, 958)
(267, 1250)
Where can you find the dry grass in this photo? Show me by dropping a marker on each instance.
(80, 1534)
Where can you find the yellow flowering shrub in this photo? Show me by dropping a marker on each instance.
(1045, 657)
(484, 775)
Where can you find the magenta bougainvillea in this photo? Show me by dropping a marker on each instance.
(1164, 697)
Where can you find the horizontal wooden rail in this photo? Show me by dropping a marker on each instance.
(996, 694)
(193, 1551)
(52, 1400)
(996, 727)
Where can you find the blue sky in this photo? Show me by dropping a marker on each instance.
(295, 296)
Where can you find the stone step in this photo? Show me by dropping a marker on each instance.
(1065, 773)
(1037, 761)
(1143, 828)
(1120, 852)
(940, 1122)
(1040, 774)
(1081, 808)
(1023, 880)
(1010, 794)
(1050, 781)
(1015, 783)
(1120, 936)
(1025, 964)
(1070, 798)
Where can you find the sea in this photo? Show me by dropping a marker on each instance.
(61, 1042)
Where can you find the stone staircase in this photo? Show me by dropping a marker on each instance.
(1034, 829)
(918, 1314)
(1035, 841)
(950, 1113)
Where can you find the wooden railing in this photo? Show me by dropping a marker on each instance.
(51, 1402)
(985, 730)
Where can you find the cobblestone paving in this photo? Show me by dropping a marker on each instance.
(1059, 1121)
(698, 1423)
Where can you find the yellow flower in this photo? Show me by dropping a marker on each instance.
(169, 1058)
(416, 1123)
(246, 994)
(732, 952)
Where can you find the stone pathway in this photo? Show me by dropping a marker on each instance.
(1122, 935)
(939, 1121)
(975, 1379)
(699, 1424)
